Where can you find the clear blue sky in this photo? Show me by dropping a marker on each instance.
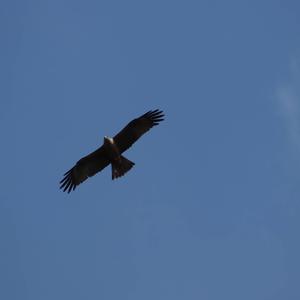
(211, 209)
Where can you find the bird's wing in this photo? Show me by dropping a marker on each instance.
(84, 168)
(136, 128)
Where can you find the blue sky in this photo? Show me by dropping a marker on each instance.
(211, 208)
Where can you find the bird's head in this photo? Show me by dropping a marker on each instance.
(108, 140)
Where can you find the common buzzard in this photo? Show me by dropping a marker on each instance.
(110, 152)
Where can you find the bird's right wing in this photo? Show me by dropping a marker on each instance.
(84, 168)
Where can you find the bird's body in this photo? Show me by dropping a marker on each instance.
(111, 152)
(111, 149)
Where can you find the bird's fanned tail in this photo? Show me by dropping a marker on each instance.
(120, 166)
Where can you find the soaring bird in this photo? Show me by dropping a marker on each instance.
(111, 152)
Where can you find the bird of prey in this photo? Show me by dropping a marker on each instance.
(111, 152)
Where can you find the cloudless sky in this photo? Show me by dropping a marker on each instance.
(211, 209)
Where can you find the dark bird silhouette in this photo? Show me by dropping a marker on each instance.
(110, 152)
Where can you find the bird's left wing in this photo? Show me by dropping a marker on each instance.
(84, 168)
(136, 128)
